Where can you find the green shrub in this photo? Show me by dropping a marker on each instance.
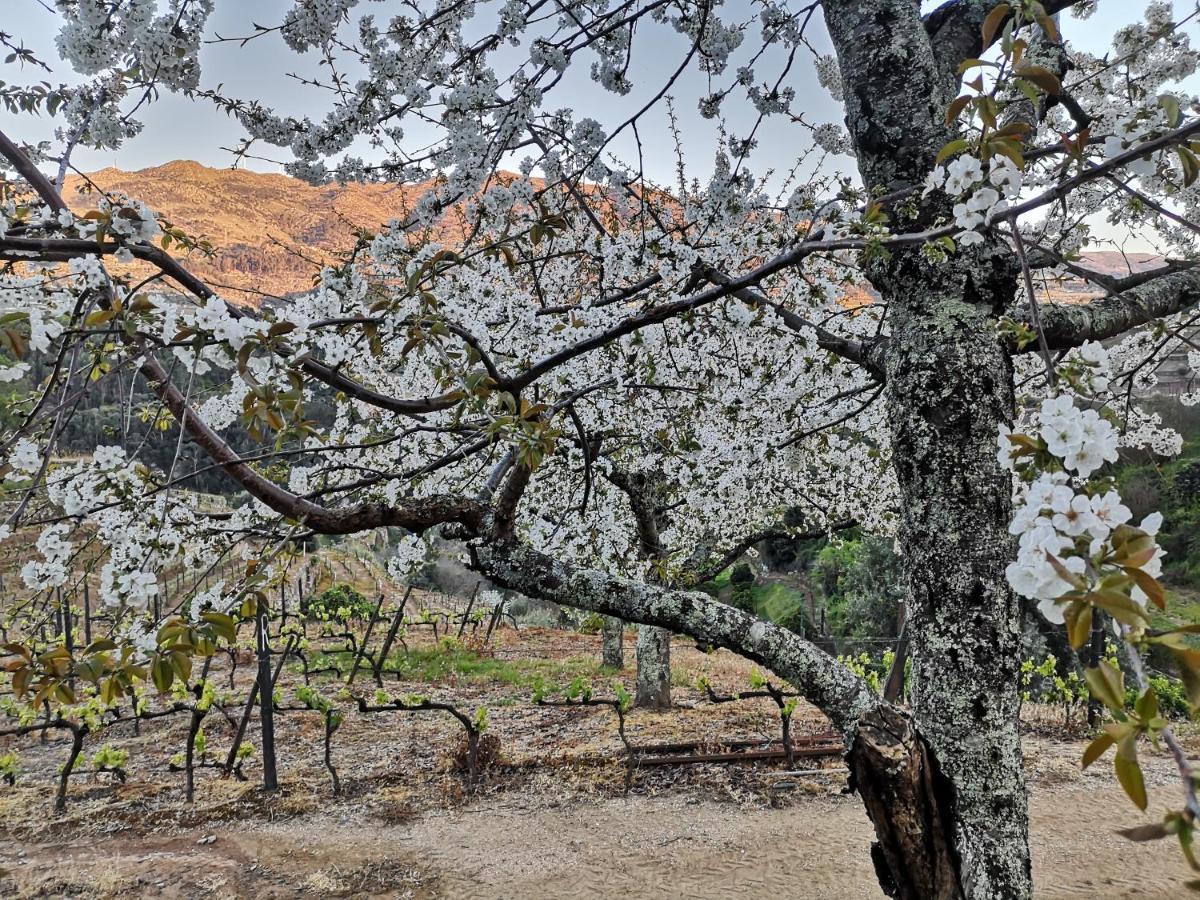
(591, 624)
(862, 585)
(741, 574)
(340, 602)
(1172, 699)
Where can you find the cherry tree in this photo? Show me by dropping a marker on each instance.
(551, 338)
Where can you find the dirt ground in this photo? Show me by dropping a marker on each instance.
(550, 821)
(641, 846)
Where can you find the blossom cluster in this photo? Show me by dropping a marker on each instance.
(983, 197)
(1065, 522)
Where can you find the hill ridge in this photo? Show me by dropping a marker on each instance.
(272, 232)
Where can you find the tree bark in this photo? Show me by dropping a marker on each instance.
(949, 387)
(909, 800)
(612, 637)
(653, 689)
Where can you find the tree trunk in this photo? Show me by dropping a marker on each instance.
(612, 637)
(1096, 647)
(949, 387)
(647, 499)
(653, 668)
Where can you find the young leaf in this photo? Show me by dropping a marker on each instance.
(1042, 77)
(1078, 616)
(950, 149)
(1129, 774)
(1107, 685)
(1097, 748)
(993, 21)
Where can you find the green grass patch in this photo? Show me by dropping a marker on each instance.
(434, 665)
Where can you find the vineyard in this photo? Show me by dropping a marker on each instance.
(401, 716)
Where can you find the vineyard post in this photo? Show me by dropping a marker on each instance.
(300, 602)
(466, 615)
(246, 710)
(362, 650)
(397, 619)
(68, 635)
(496, 613)
(266, 699)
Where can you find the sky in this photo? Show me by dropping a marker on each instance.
(177, 128)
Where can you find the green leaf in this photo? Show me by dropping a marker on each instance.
(1097, 748)
(1171, 107)
(99, 317)
(1107, 685)
(950, 149)
(1078, 616)
(1129, 774)
(1146, 706)
(957, 105)
(222, 624)
(1149, 585)
(1121, 606)
(1042, 77)
(281, 328)
(161, 673)
(1048, 26)
(1190, 163)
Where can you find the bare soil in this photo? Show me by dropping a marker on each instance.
(550, 819)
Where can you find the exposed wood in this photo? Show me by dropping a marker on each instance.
(911, 805)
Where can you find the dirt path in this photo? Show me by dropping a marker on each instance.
(643, 847)
(817, 849)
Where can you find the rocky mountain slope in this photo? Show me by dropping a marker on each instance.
(272, 233)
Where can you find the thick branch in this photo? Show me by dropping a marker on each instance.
(1069, 325)
(956, 30)
(825, 682)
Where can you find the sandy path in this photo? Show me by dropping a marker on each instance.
(642, 847)
(817, 849)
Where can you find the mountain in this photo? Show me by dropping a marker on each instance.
(272, 233)
(1118, 265)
